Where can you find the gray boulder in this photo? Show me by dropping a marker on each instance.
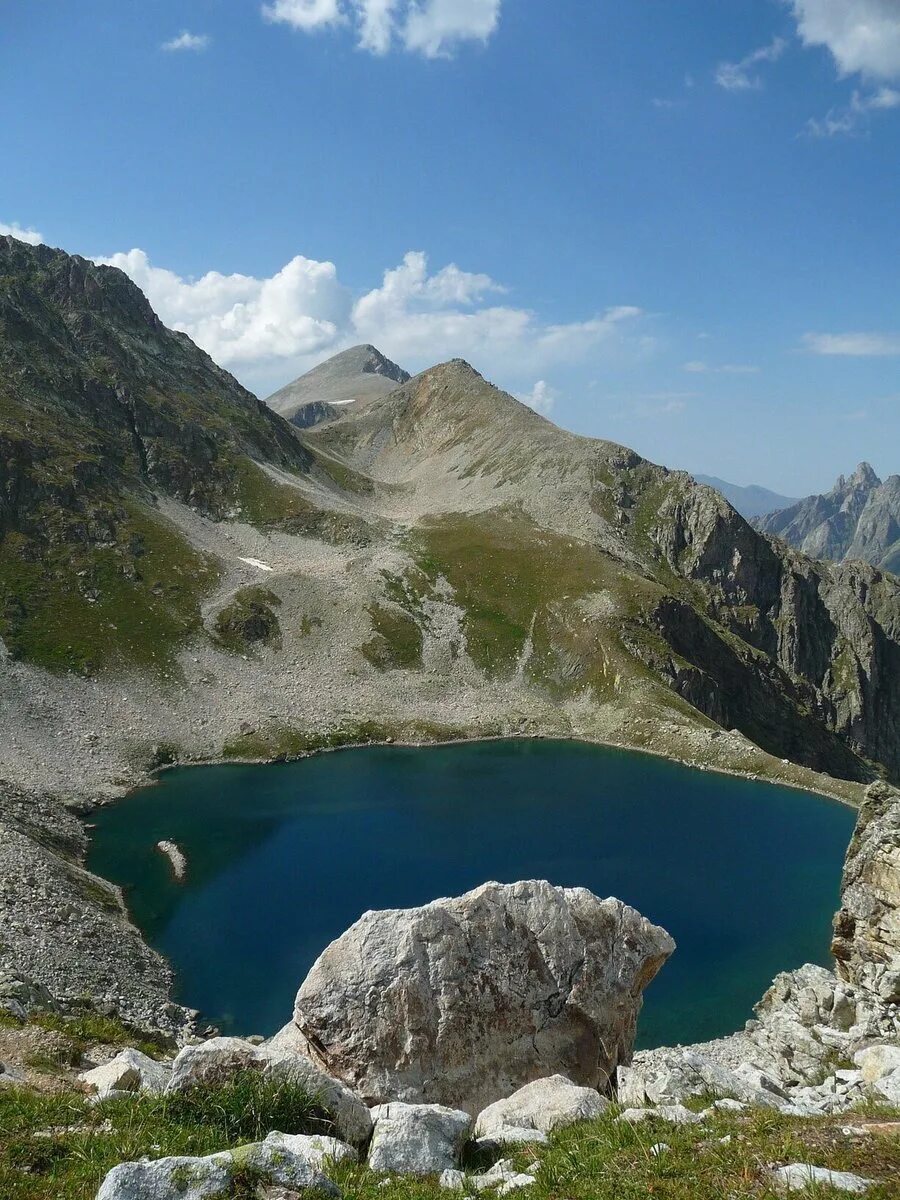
(417, 1139)
(888, 1088)
(352, 1120)
(315, 1148)
(544, 1105)
(798, 1177)
(129, 1071)
(463, 1001)
(213, 1063)
(204, 1178)
(671, 1076)
(877, 1061)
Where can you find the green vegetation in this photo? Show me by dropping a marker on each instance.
(249, 618)
(88, 1028)
(129, 599)
(55, 1146)
(279, 743)
(271, 505)
(397, 642)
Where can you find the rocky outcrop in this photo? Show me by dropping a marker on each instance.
(462, 1001)
(859, 519)
(361, 373)
(866, 941)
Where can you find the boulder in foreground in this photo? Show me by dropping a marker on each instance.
(464, 1000)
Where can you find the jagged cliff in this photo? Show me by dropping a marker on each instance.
(859, 519)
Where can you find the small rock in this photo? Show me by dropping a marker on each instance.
(545, 1105)
(315, 1148)
(213, 1062)
(659, 1148)
(797, 1176)
(452, 1179)
(675, 1114)
(417, 1139)
(129, 1071)
(889, 1087)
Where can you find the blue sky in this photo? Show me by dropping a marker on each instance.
(673, 223)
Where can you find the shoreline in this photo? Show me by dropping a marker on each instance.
(581, 739)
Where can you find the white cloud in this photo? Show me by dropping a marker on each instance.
(271, 329)
(433, 28)
(703, 368)
(743, 76)
(187, 41)
(854, 345)
(863, 36)
(31, 236)
(306, 15)
(853, 117)
(541, 398)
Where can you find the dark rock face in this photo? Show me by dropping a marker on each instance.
(858, 519)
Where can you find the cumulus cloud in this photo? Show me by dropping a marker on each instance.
(541, 398)
(270, 329)
(187, 41)
(854, 345)
(433, 28)
(23, 235)
(863, 36)
(853, 118)
(744, 75)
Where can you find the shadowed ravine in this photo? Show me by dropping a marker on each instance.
(282, 859)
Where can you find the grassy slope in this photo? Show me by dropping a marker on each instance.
(57, 1147)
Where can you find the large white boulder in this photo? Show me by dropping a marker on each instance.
(417, 1139)
(129, 1071)
(888, 1088)
(462, 1001)
(203, 1178)
(545, 1105)
(877, 1061)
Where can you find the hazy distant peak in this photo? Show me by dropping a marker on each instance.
(863, 477)
(361, 373)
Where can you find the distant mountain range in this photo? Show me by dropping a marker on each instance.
(750, 501)
(354, 376)
(859, 519)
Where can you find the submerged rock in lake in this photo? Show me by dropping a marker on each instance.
(462, 1001)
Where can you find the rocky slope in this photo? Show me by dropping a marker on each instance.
(858, 520)
(751, 501)
(354, 376)
(186, 576)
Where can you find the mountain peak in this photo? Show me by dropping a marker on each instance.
(864, 476)
(359, 373)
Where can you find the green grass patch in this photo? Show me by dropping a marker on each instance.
(57, 1147)
(132, 600)
(248, 619)
(397, 641)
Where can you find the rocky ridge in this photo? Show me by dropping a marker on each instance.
(858, 520)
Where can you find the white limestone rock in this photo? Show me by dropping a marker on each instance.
(352, 1120)
(213, 1062)
(545, 1105)
(675, 1114)
(798, 1176)
(877, 1061)
(510, 1135)
(671, 1076)
(130, 1071)
(185, 1178)
(417, 1139)
(464, 1000)
(316, 1148)
(888, 1088)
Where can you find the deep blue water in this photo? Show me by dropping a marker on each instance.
(283, 858)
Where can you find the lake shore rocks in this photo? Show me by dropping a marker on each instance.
(464, 1000)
